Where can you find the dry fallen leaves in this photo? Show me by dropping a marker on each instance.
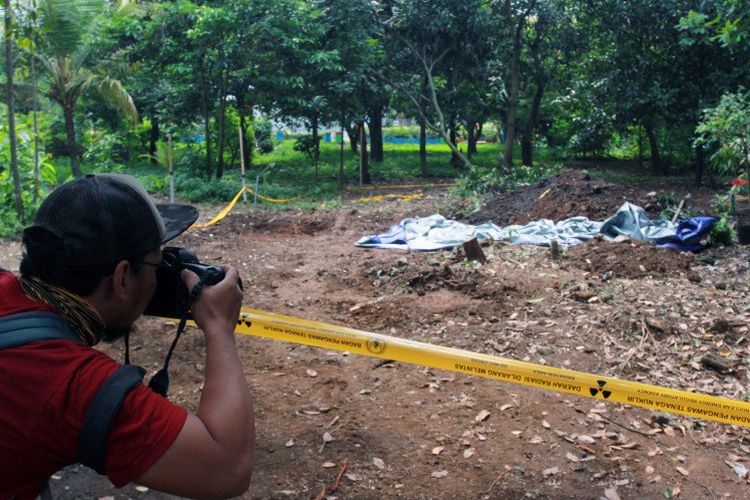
(611, 493)
(550, 471)
(585, 438)
(482, 416)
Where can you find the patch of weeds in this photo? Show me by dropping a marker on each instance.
(670, 204)
(722, 233)
(461, 207)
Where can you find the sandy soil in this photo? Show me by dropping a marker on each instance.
(627, 309)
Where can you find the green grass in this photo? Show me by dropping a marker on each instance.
(290, 173)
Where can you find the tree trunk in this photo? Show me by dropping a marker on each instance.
(364, 167)
(353, 134)
(510, 117)
(640, 147)
(700, 165)
(36, 124)
(70, 130)
(153, 138)
(422, 147)
(527, 139)
(316, 142)
(11, 111)
(471, 137)
(246, 148)
(656, 165)
(423, 129)
(527, 146)
(341, 156)
(376, 134)
(455, 160)
(220, 136)
(206, 122)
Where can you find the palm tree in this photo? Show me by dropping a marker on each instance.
(67, 29)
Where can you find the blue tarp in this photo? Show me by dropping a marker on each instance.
(436, 232)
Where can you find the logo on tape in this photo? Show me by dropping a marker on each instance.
(596, 390)
(376, 346)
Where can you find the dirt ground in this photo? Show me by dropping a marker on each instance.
(626, 309)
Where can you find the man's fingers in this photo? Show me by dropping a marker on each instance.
(189, 278)
(232, 275)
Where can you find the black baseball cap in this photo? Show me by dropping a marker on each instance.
(102, 218)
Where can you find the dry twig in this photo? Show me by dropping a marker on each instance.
(335, 486)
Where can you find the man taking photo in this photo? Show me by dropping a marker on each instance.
(88, 272)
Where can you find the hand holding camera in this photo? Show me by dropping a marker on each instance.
(174, 286)
(218, 306)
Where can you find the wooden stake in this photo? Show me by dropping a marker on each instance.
(554, 249)
(474, 251)
(242, 166)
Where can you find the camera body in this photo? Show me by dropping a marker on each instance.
(171, 298)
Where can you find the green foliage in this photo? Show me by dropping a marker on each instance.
(195, 189)
(410, 132)
(670, 204)
(305, 144)
(482, 180)
(727, 128)
(10, 225)
(103, 149)
(262, 129)
(722, 233)
(730, 27)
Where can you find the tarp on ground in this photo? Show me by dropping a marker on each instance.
(436, 232)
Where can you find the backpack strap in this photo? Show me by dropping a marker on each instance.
(92, 440)
(24, 328)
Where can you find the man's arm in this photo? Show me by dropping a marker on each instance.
(213, 453)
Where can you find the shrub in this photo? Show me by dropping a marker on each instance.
(263, 135)
(305, 144)
(726, 127)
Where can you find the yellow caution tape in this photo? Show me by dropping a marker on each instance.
(317, 334)
(383, 197)
(405, 186)
(221, 214)
(224, 211)
(272, 200)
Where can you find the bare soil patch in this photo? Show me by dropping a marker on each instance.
(633, 259)
(412, 432)
(572, 193)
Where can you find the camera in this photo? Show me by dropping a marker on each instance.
(171, 298)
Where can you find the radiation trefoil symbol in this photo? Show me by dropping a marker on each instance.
(596, 390)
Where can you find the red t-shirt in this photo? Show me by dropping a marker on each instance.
(45, 390)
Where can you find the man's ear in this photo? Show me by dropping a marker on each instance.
(123, 282)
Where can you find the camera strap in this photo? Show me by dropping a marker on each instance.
(160, 381)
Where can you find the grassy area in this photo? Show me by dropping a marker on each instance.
(288, 173)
